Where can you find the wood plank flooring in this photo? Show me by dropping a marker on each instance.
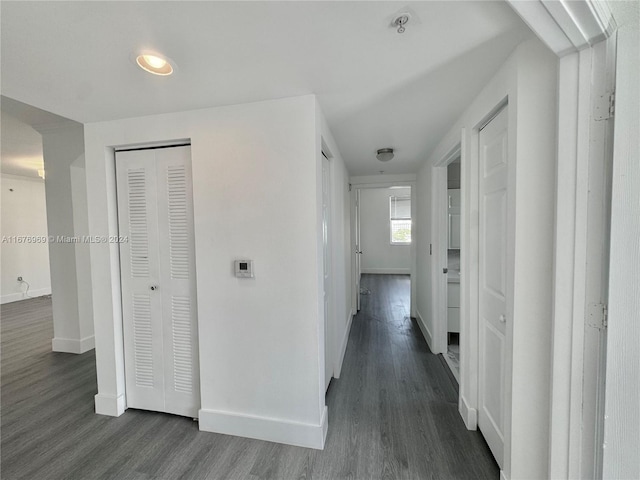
(392, 414)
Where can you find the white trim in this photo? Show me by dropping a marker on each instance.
(73, 345)
(426, 333)
(17, 297)
(388, 271)
(469, 414)
(566, 26)
(110, 405)
(264, 428)
(503, 476)
(343, 347)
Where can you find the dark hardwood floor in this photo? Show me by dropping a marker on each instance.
(392, 414)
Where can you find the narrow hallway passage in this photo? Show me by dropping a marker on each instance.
(392, 414)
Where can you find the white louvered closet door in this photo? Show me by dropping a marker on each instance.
(155, 212)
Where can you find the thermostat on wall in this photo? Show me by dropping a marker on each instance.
(244, 268)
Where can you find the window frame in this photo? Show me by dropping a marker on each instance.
(392, 218)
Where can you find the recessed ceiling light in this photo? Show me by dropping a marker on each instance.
(155, 64)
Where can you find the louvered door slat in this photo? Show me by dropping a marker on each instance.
(178, 221)
(182, 348)
(143, 341)
(138, 229)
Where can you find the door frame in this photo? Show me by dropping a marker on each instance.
(355, 246)
(193, 281)
(360, 184)
(439, 221)
(327, 253)
(571, 30)
(115, 403)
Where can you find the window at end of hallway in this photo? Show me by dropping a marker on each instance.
(400, 219)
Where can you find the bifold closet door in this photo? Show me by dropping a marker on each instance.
(155, 213)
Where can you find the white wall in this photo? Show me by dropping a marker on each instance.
(425, 255)
(83, 261)
(341, 312)
(24, 214)
(379, 256)
(528, 81)
(255, 188)
(63, 150)
(622, 404)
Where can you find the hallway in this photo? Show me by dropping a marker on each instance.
(392, 414)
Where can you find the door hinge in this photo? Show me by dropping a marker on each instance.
(430, 249)
(597, 316)
(605, 106)
(349, 187)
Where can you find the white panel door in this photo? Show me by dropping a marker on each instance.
(155, 212)
(326, 254)
(493, 282)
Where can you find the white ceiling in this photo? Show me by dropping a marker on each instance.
(377, 88)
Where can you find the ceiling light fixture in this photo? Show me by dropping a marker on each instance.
(400, 21)
(154, 63)
(385, 154)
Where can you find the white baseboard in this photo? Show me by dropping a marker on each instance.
(454, 371)
(469, 415)
(343, 347)
(389, 271)
(72, 345)
(16, 297)
(503, 476)
(263, 428)
(426, 333)
(110, 405)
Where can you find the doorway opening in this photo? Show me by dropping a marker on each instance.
(453, 243)
(447, 207)
(382, 228)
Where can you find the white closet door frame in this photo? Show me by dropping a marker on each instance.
(158, 280)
